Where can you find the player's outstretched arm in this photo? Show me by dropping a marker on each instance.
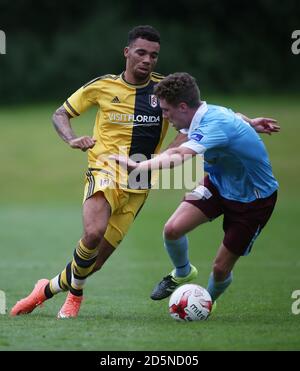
(167, 159)
(178, 140)
(61, 121)
(263, 125)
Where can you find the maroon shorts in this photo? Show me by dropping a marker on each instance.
(242, 221)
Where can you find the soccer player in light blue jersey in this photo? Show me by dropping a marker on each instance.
(240, 184)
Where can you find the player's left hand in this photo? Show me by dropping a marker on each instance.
(124, 161)
(265, 125)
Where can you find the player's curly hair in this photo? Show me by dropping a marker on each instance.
(179, 87)
(144, 32)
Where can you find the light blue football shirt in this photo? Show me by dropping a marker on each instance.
(234, 154)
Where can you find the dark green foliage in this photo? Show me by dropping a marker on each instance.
(54, 47)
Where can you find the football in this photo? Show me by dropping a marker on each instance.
(190, 302)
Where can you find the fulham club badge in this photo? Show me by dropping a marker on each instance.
(153, 100)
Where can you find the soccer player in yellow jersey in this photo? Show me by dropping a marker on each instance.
(129, 117)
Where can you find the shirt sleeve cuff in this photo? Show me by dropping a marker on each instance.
(70, 109)
(194, 146)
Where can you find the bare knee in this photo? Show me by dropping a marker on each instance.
(171, 232)
(96, 213)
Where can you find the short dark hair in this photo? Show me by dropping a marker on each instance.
(179, 87)
(144, 32)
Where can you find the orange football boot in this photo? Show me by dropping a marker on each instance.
(71, 306)
(33, 300)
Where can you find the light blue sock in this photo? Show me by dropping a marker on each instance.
(178, 252)
(217, 288)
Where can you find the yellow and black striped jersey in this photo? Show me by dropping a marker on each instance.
(129, 119)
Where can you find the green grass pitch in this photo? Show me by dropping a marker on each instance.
(40, 223)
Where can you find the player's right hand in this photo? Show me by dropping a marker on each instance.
(83, 143)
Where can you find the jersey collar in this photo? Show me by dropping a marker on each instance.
(198, 116)
(201, 111)
(122, 77)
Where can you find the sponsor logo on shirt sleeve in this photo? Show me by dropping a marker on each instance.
(197, 137)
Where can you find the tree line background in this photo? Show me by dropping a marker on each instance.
(53, 47)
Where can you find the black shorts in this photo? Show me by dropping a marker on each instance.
(242, 221)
